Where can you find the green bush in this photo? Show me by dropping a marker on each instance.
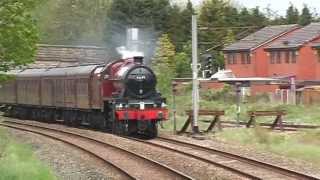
(225, 94)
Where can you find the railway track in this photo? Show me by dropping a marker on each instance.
(239, 165)
(130, 164)
(246, 167)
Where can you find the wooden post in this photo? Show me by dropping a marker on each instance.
(186, 125)
(215, 122)
(252, 120)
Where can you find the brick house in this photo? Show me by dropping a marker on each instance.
(247, 57)
(296, 54)
(278, 51)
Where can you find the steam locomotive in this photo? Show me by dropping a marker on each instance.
(120, 97)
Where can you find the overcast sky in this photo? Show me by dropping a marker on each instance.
(279, 6)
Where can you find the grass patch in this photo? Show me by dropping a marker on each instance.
(17, 162)
(302, 145)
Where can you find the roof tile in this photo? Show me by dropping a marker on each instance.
(298, 37)
(258, 38)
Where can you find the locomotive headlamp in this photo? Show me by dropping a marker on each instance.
(119, 106)
(163, 105)
(142, 105)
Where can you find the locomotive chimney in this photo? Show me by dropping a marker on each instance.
(138, 59)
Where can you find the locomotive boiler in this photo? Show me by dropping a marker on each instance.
(120, 97)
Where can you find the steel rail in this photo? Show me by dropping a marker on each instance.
(221, 165)
(264, 165)
(71, 144)
(178, 174)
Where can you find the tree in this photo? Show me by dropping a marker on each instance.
(183, 61)
(165, 52)
(18, 33)
(258, 18)
(186, 23)
(305, 17)
(212, 15)
(183, 65)
(150, 15)
(73, 21)
(230, 38)
(244, 16)
(292, 14)
(163, 63)
(176, 27)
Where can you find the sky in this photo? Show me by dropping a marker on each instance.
(280, 6)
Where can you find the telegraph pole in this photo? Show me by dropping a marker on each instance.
(195, 82)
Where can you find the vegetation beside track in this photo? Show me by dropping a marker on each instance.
(299, 145)
(17, 161)
(225, 100)
(302, 145)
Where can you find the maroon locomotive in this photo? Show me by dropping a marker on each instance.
(120, 96)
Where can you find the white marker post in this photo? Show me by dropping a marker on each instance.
(195, 82)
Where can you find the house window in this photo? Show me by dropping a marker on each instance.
(278, 57)
(293, 57)
(228, 58)
(272, 57)
(232, 58)
(318, 54)
(245, 58)
(287, 57)
(248, 58)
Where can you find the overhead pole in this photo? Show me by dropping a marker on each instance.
(195, 82)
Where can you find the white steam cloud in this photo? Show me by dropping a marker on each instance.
(125, 53)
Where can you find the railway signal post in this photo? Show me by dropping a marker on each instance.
(195, 82)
